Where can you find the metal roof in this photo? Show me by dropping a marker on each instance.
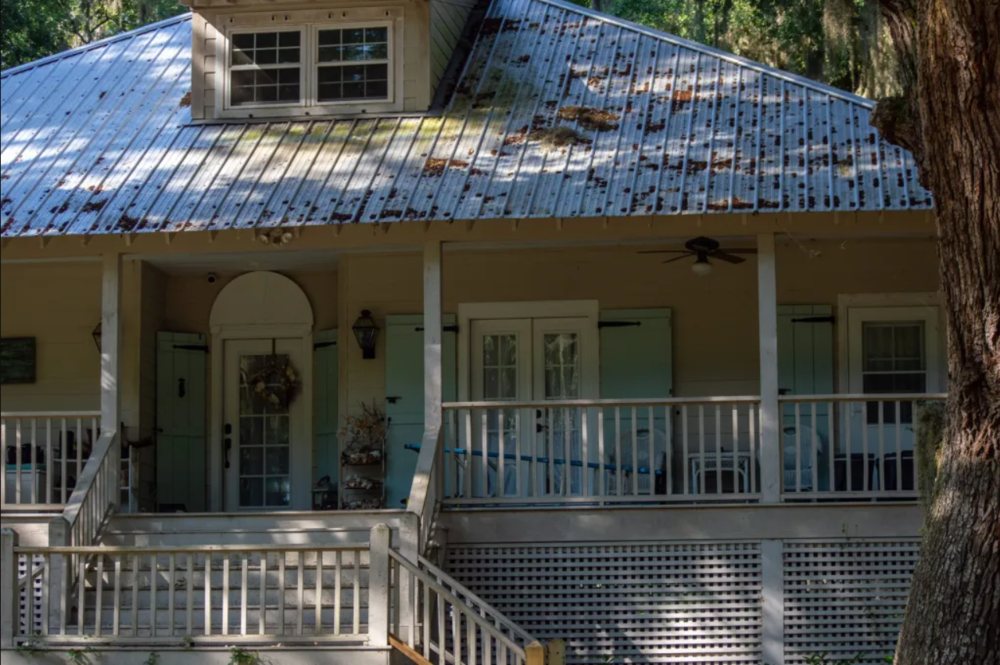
(559, 112)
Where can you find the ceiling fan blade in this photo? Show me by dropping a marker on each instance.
(665, 251)
(728, 258)
(740, 251)
(679, 258)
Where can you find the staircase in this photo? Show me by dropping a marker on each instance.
(187, 585)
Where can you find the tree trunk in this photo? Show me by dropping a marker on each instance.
(949, 117)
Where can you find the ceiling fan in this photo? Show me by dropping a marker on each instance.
(704, 249)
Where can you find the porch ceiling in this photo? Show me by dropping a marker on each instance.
(307, 260)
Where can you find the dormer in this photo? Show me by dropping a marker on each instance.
(274, 59)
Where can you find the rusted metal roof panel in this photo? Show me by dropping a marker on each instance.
(559, 112)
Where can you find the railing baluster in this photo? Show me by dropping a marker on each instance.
(635, 451)
(484, 440)
(832, 422)
(154, 569)
(501, 488)
(319, 593)
(49, 465)
(473, 644)
(702, 469)
(171, 596)
(81, 597)
(282, 587)
(864, 448)
(208, 595)
(18, 461)
(619, 461)
(357, 592)
(899, 446)
(427, 622)
(33, 467)
(116, 626)
(815, 449)
(535, 482)
(3, 449)
(29, 597)
(737, 486)
(752, 414)
(79, 453)
(718, 449)
(881, 446)
(300, 607)
(652, 451)
(567, 452)
(456, 632)
(668, 427)
(244, 592)
(225, 594)
(189, 600)
(798, 448)
(64, 457)
(262, 620)
(338, 591)
(551, 419)
(469, 466)
(47, 593)
(686, 463)
(585, 488)
(602, 471)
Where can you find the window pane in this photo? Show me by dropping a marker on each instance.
(267, 40)
(267, 95)
(329, 37)
(243, 42)
(330, 54)
(288, 56)
(287, 39)
(252, 462)
(251, 492)
(354, 36)
(376, 35)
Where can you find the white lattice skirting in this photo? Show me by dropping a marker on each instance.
(695, 603)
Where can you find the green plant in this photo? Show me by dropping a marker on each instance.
(824, 659)
(31, 648)
(238, 656)
(82, 656)
(154, 659)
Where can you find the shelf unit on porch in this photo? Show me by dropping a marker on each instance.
(362, 498)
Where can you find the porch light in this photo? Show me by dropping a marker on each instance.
(97, 337)
(702, 267)
(366, 333)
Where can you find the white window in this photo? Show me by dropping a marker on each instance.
(310, 66)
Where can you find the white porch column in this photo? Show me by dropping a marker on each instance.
(770, 411)
(433, 334)
(378, 587)
(111, 343)
(10, 598)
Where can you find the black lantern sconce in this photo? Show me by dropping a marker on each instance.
(366, 333)
(97, 338)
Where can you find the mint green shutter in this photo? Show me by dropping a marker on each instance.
(805, 367)
(636, 363)
(327, 381)
(404, 390)
(636, 353)
(180, 418)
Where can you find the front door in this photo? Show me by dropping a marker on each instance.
(524, 360)
(263, 445)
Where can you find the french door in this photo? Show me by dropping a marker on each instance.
(262, 443)
(537, 450)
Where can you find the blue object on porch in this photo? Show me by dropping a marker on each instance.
(26, 467)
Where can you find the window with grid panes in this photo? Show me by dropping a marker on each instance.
(266, 68)
(310, 66)
(352, 64)
(895, 362)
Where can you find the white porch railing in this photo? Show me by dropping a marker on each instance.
(200, 596)
(600, 452)
(44, 455)
(852, 446)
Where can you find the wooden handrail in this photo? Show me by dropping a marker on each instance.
(201, 549)
(84, 521)
(583, 403)
(895, 397)
(44, 415)
(422, 501)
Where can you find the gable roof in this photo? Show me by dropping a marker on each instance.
(99, 140)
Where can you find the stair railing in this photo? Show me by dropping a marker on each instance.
(428, 485)
(447, 630)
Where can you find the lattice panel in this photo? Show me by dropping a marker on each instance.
(36, 588)
(846, 598)
(691, 603)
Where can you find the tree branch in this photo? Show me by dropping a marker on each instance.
(898, 118)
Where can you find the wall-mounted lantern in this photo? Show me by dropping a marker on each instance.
(366, 333)
(97, 338)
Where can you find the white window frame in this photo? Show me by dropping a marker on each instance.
(308, 23)
(315, 65)
(303, 67)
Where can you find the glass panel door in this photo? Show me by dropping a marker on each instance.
(558, 376)
(263, 447)
(501, 371)
(264, 441)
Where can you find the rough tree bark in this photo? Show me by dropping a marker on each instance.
(949, 117)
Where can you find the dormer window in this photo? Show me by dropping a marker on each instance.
(311, 64)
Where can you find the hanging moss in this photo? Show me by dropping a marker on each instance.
(932, 429)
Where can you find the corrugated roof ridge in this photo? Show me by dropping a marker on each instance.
(122, 36)
(717, 53)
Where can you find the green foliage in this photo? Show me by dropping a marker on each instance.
(34, 29)
(238, 656)
(82, 656)
(31, 648)
(154, 659)
(840, 42)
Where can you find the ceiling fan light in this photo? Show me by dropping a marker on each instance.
(702, 267)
